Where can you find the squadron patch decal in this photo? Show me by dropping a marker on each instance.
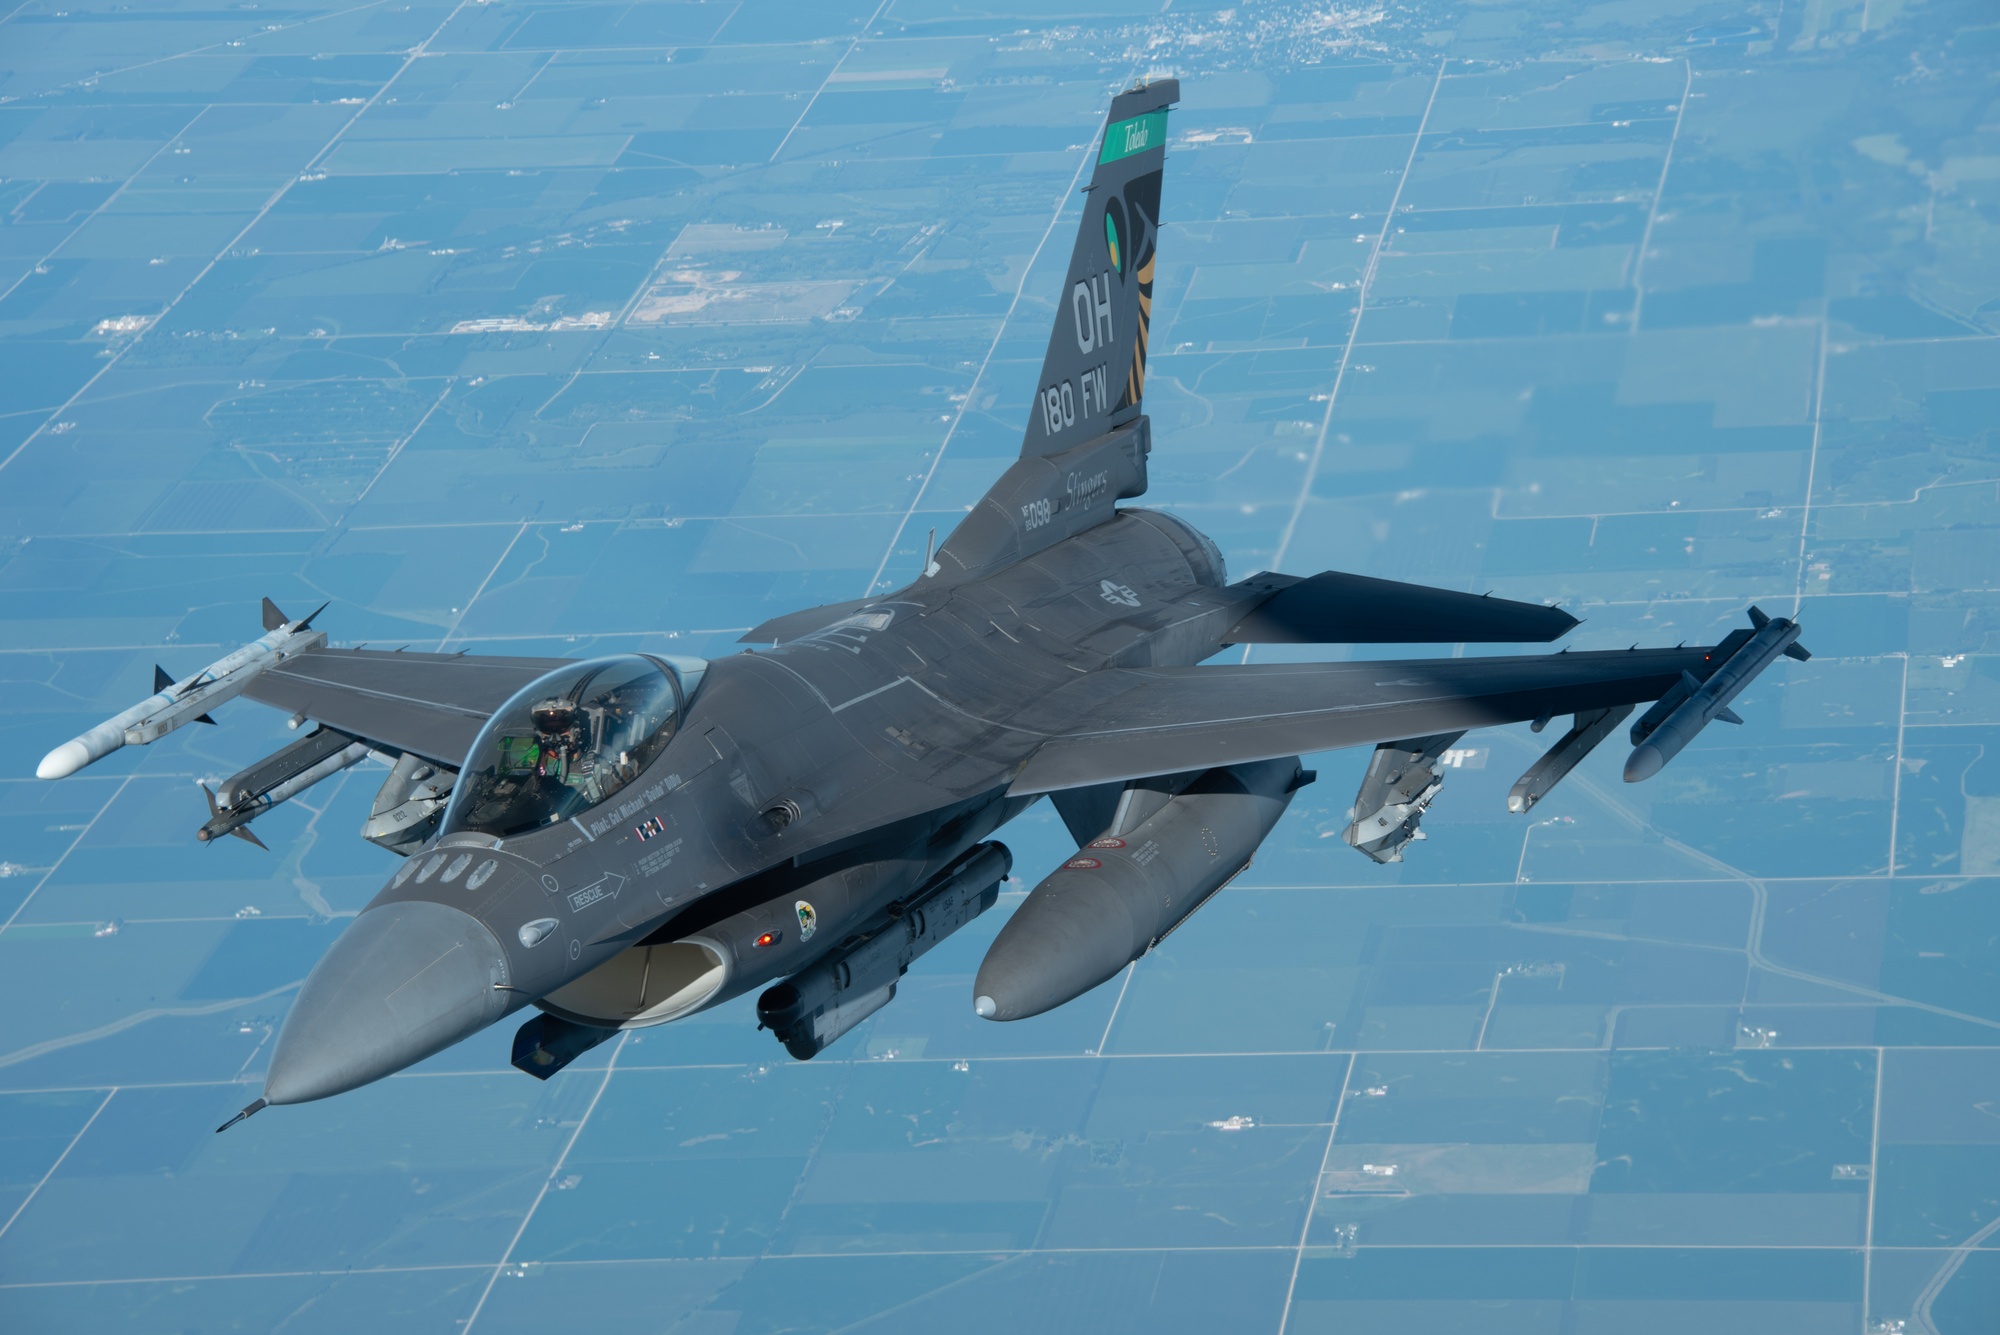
(808, 920)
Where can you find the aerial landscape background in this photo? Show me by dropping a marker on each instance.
(571, 329)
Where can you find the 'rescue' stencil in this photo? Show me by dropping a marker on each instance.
(604, 887)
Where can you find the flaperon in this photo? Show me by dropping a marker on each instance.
(624, 841)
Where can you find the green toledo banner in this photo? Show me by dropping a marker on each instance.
(1124, 138)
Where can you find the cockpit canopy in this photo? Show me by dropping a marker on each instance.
(566, 742)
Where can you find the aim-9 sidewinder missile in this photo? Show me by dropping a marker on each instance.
(277, 778)
(176, 704)
(1706, 701)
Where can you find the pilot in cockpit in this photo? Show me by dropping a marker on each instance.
(557, 755)
(559, 740)
(565, 744)
(573, 741)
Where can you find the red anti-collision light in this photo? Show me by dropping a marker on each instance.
(768, 939)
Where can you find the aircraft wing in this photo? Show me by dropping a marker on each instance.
(432, 705)
(1128, 723)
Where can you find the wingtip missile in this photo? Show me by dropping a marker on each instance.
(174, 704)
(72, 756)
(1699, 704)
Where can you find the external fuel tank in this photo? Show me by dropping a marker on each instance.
(1161, 857)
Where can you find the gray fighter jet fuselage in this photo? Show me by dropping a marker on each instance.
(624, 841)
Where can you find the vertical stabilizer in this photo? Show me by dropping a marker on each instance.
(1094, 373)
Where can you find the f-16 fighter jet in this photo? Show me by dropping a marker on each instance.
(624, 841)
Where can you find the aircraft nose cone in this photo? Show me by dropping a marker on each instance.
(404, 980)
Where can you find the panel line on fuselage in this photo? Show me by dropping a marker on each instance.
(870, 695)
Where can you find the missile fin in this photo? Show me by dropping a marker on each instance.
(1798, 651)
(1758, 617)
(243, 832)
(1728, 715)
(307, 623)
(273, 618)
(203, 718)
(161, 679)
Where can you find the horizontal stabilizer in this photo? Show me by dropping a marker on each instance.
(1337, 608)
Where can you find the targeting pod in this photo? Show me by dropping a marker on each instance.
(817, 1005)
(1693, 705)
